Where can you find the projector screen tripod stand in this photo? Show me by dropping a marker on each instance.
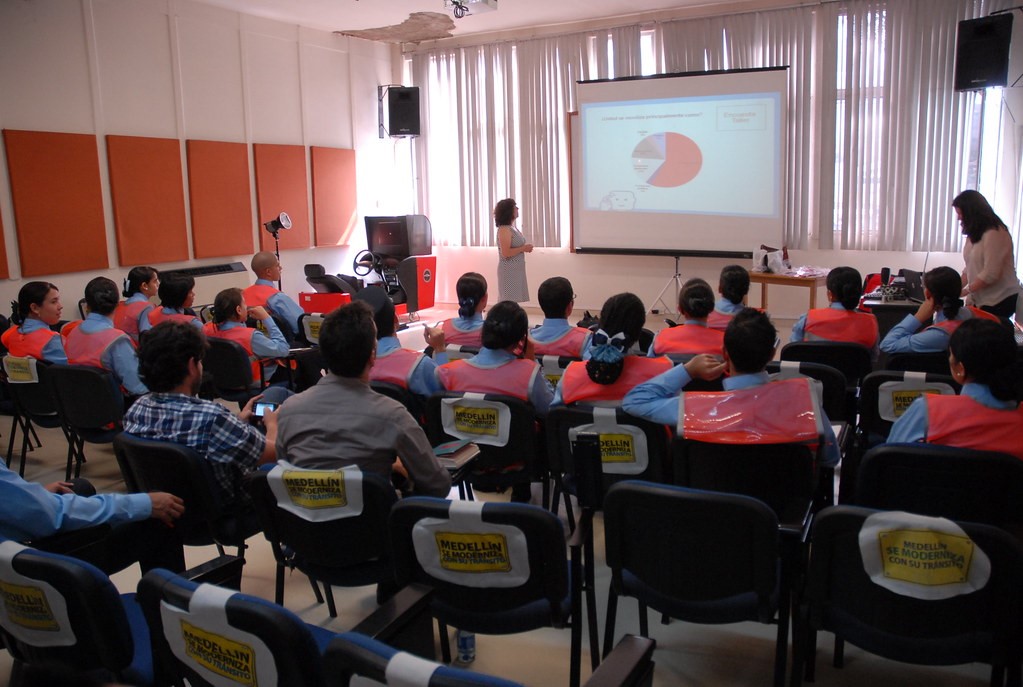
(675, 279)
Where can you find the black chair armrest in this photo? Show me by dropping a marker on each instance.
(404, 622)
(629, 665)
(223, 571)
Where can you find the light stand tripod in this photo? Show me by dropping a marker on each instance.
(676, 279)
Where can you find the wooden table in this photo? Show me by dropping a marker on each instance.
(766, 278)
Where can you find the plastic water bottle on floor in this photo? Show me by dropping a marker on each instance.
(466, 645)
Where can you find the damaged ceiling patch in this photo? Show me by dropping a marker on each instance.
(420, 26)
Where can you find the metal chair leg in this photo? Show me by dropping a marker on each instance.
(316, 590)
(445, 642)
(609, 623)
(329, 593)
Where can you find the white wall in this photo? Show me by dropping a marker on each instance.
(180, 69)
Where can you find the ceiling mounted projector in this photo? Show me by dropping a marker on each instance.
(461, 8)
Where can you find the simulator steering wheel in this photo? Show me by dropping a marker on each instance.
(365, 262)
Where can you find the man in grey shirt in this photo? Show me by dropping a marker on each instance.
(341, 421)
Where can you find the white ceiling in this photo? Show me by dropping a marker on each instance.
(350, 15)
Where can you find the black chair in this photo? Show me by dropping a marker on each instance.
(975, 621)
(944, 481)
(295, 521)
(231, 369)
(309, 327)
(852, 360)
(503, 427)
(934, 363)
(696, 384)
(723, 565)
(34, 404)
(415, 405)
(322, 282)
(61, 610)
(149, 465)
(352, 654)
(832, 381)
(884, 397)
(90, 407)
(204, 634)
(553, 366)
(496, 568)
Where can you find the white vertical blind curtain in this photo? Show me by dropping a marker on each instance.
(895, 136)
(764, 39)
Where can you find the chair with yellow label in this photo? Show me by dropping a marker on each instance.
(61, 610)
(912, 588)
(504, 428)
(326, 523)
(884, 397)
(495, 568)
(34, 404)
(553, 366)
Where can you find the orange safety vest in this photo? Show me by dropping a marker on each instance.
(257, 295)
(831, 324)
(241, 336)
(779, 412)
(719, 320)
(577, 387)
(26, 345)
(84, 348)
(569, 344)
(689, 339)
(395, 367)
(514, 378)
(961, 421)
(460, 337)
(157, 315)
(949, 326)
(126, 317)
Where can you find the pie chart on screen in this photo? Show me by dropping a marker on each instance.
(667, 159)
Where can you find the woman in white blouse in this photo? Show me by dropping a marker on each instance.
(989, 279)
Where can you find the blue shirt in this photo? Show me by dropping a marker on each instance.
(143, 322)
(423, 381)
(119, 357)
(913, 424)
(282, 305)
(657, 400)
(540, 394)
(906, 337)
(726, 306)
(29, 511)
(231, 447)
(53, 351)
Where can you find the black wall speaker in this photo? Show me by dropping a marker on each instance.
(982, 52)
(403, 111)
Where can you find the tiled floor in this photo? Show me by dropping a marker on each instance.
(740, 654)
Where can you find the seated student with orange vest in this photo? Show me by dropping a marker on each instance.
(141, 285)
(37, 310)
(556, 336)
(229, 315)
(733, 285)
(263, 293)
(695, 303)
(95, 341)
(987, 414)
(176, 295)
(467, 328)
(505, 363)
(611, 372)
(841, 321)
(786, 410)
(407, 369)
(939, 315)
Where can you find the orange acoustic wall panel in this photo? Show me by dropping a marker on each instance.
(149, 199)
(4, 272)
(281, 187)
(58, 202)
(218, 186)
(334, 211)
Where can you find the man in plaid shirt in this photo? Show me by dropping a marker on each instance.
(170, 360)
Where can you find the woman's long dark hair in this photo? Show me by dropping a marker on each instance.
(32, 293)
(470, 289)
(945, 285)
(978, 215)
(621, 321)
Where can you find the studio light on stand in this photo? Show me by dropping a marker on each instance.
(281, 221)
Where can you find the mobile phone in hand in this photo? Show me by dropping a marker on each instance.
(262, 407)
